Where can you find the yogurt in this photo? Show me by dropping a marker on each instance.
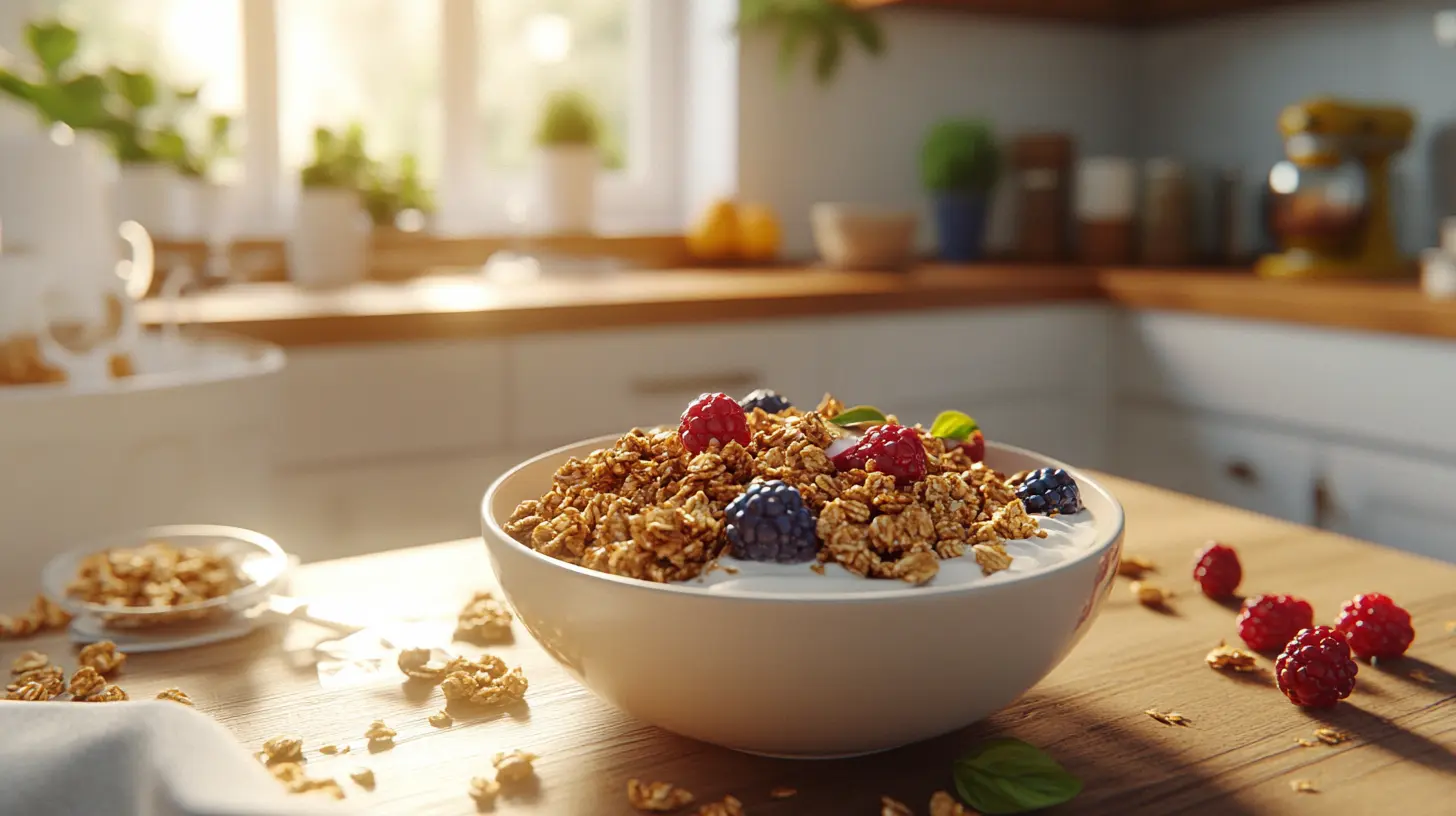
(1067, 538)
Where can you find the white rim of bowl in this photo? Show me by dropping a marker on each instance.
(1115, 527)
(275, 554)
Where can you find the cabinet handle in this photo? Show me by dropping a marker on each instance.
(1324, 505)
(1242, 472)
(730, 382)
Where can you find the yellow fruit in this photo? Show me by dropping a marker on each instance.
(758, 233)
(715, 236)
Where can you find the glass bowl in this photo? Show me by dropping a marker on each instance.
(260, 562)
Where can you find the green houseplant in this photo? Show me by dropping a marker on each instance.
(388, 193)
(329, 243)
(57, 94)
(823, 25)
(568, 146)
(959, 165)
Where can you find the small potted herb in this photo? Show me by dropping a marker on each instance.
(329, 244)
(959, 164)
(568, 158)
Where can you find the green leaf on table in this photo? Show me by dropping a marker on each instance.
(954, 425)
(859, 414)
(1011, 776)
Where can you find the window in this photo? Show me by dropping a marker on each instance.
(457, 84)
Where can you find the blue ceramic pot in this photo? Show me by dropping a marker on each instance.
(960, 224)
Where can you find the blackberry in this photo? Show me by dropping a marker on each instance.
(769, 522)
(769, 401)
(1050, 490)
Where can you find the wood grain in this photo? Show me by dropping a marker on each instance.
(450, 306)
(1240, 755)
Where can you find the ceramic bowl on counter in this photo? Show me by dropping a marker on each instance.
(853, 237)
(804, 669)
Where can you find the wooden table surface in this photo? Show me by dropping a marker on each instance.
(1239, 756)
(466, 306)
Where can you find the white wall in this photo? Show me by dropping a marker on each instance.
(858, 139)
(1210, 91)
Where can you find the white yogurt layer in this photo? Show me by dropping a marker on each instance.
(1067, 537)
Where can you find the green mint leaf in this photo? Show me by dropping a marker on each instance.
(1011, 776)
(954, 425)
(859, 414)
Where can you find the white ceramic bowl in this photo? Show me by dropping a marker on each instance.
(803, 675)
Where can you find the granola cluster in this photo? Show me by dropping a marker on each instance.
(646, 508)
(43, 614)
(35, 679)
(156, 575)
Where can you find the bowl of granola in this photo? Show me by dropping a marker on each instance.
(803, 583)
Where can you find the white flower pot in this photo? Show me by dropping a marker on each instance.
(157, 197)
(329, 245)
(566, 188)
(56, 200)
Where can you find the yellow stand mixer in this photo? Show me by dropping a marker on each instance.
(1331, 198)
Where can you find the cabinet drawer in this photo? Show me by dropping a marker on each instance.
(937, 357)
(351, 403)
(1216, 459)
(1396, 501)
(568, 387)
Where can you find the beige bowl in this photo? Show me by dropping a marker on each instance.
(853, 237)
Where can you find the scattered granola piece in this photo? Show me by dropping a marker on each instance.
(379, 734)
(1303, 786)
(817, 567)
(31, 692)
(283, 749)
(86, 682)
(943, 804)
(28, 662)
(441, 719)
(991, 557)
(783, 792)
(292, 775)
(659, 797)
(484, 791)
(103, 656)
(513, 766)
(1331, 736)
(892, 807)
(1421, 676)
(111, 694)
(1168, 718)
(1230, 657)
(1135, 566)
(43, 614)
(330, 749)
(1305, 743)
(49, 676)
(728, 807)
(484, 620)
(417, 665)
(363, 777)
(176, 695)
(1149, 595)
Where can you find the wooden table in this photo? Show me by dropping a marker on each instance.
(1239, 756)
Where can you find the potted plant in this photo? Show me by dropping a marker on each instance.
(149, 186)
(329, 243)
(398, 199)
(567, 162)
(196, 184)
(959, 164)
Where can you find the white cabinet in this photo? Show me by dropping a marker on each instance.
(1398, 501)
(568, 387)
(1219, 459)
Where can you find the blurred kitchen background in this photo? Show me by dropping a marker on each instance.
(325, 268)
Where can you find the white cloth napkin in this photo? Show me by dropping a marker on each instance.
(152, 758)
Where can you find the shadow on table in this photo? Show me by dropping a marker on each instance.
(1372, 729)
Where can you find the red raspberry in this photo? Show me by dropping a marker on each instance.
(1315, 669)
(1375, 626)
(1269, 621)
(1218, 571)
(712, 418)
(895, 449)
(975, 447)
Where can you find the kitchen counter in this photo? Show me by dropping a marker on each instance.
(1239, 755)
(461, 306)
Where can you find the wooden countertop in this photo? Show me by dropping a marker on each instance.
(1239, 756)
(465, 305)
